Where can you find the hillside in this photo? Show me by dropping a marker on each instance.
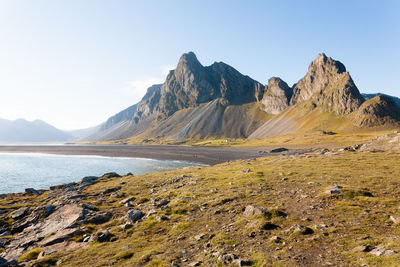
(216, 101)
(278, 210)
(25, 131)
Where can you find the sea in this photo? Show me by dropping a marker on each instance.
(40, 171)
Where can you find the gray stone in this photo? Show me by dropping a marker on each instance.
(19, 213)
(134, 215)
(251, 210)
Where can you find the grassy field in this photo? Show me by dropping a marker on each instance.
(301, 225)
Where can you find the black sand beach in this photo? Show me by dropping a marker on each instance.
(208, 155)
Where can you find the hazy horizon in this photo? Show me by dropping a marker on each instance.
(73, 64)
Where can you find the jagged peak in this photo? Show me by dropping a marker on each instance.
(189, 57)
(327, 64)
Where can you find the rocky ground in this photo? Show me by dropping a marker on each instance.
(328, 207)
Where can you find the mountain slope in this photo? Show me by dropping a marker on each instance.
(36, 131)
(328, 84)
(217, 101)
(377, 111)
(194, 101)
(369, 96)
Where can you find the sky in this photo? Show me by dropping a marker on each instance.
(74, 63)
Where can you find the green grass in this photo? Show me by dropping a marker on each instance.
(219, 194)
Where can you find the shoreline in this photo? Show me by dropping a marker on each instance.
(206, 155)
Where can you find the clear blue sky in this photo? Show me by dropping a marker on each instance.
(73, 63)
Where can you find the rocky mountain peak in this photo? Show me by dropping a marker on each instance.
(328, 84)
(277, 96)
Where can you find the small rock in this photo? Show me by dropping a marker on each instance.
(163, 202)
(126, 200)
(103, 236)
(32, 191)
(335, 189)
(251, 210)
(195, 263)
(278, 150)
(394, 219)
(19, 213)
(275, 239)
(186, 199)
(285, 179)
(134, 215)
(199, 237)
(362, 248)
(381, 251)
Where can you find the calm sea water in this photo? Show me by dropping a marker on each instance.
(40, 171)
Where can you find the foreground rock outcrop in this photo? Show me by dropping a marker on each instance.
(280, 210)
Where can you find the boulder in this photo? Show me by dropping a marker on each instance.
(134, 215)
(19, 213)
(32, 191)
(334, 189)
(279, 150)
(251, 210)
(394, 219)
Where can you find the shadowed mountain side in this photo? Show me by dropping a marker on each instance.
(212, 119)
(369, 96)
(378, 111)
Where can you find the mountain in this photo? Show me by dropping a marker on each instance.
(377, 111)
(197, 101)
(194, 100)
(83, 133)
(328, 84)
(25, 131)
(369, 96)
(277, 96)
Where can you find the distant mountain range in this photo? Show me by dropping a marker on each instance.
(218, 101)
(36, 131)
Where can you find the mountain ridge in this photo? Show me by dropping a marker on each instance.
(21, 130)
(197, 101)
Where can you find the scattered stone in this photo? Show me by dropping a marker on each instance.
(59, 237)
(246, 170)
(275, 239)
(134, 215)
(199, 237)
(89, 180)
(111, 190)
(6, 233)
(195, 263)
(395, 220)
(285, 179)
(279, 150)
(381, 251)
(100, 218)
(362, 248)
(89, 207)
(103, 236)
(19, 213)
(302, 230)
(32, 191)
(242, 262)
(127, 200)
(161, 203)
(251, 210)
(335, 189)
(186, 199)
(115, 194)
